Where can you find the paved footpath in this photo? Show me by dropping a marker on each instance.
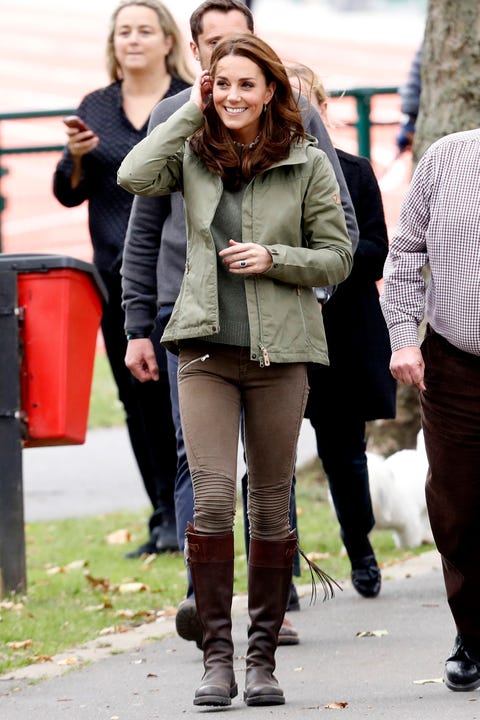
(358, 658)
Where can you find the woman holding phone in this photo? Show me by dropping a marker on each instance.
(145, 63)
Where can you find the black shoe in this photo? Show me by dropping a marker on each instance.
(462, 672)
(165, 536)
(147, 548)
(293, 601)
(366, 576)
(187, 623)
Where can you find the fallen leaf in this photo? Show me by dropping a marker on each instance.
(169, 611)
(9, 605)
(372, 633)
(119, 537)
(97, 608)
(314, 556)
(42, 659)
(56, 570)
(131, 587)
(115, 630)
(128, 614)
(107, 631)
(150, 675)
(103, 583)
(336, 706)
(147, 615)
(428, 680)
(76, 565)
(19, 644)
(68, 661)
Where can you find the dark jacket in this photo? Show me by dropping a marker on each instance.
(358, 379)
(108, 204)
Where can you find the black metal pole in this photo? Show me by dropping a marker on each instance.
(12, 530)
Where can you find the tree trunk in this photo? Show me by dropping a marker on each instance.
(449, 102)
(450, 98)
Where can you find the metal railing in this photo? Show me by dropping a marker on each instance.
(363, 99)
(363, 125)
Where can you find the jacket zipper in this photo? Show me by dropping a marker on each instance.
(190, 362)
(265, 359)
(265, 362)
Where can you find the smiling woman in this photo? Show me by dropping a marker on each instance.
(266, 228)
(240, 96)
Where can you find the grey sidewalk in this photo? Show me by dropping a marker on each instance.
(393, 672)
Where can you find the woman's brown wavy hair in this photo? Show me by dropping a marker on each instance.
(280, 123)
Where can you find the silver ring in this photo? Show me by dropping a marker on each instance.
(243, 263)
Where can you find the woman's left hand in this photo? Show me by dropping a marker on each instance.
(246, 258)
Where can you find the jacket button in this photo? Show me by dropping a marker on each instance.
(214, 328)
(254, 357)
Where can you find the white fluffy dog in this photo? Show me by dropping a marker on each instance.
(397, 488)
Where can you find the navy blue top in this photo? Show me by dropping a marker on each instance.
(109, 205)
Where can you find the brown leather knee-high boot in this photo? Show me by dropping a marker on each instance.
(269, 578)
(210, 558)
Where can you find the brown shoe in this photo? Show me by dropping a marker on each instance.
(287, 634)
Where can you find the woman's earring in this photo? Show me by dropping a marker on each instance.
(264, 107)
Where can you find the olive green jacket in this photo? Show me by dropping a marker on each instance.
(293, 209)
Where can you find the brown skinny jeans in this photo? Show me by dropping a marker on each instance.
(215, 383)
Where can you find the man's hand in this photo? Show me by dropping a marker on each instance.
(407, 366)
(140, 359)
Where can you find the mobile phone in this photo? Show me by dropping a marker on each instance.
(73, 121)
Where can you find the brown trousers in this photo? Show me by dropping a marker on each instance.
(451, 423)
(219, 385)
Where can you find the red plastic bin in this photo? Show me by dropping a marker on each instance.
(60, 301)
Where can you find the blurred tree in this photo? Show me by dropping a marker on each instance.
(449, 102)
(450, 99)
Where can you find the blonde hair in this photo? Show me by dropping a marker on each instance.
(309, 84)
(175, 60)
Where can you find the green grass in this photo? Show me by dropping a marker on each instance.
(63, 609)
(106, 409)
